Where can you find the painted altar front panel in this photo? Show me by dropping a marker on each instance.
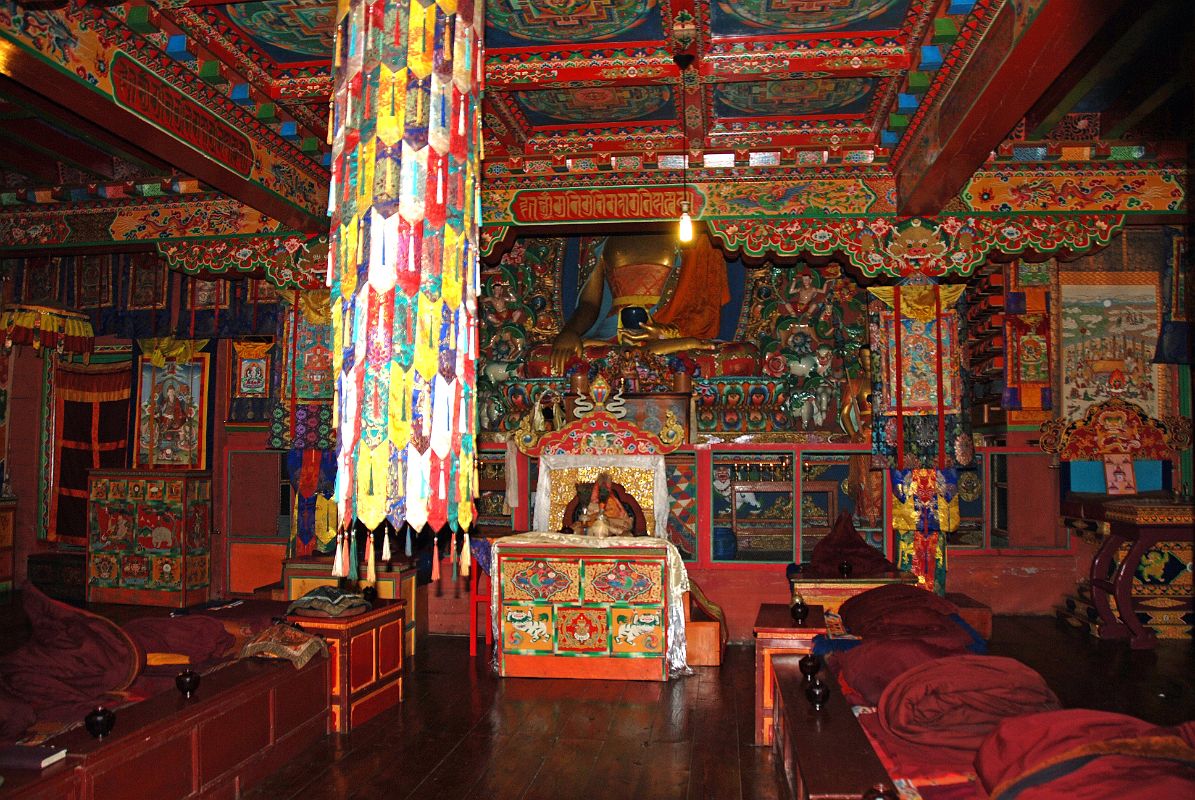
(149, 537)
(582, 612)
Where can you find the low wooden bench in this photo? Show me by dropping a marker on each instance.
(245, 722)
(824, 754)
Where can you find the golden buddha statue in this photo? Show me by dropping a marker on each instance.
(660, 298)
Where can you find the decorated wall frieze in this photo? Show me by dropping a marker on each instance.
(1129, 190)
(130, 220)
(289, 261)
(815, 197)
(951, 245)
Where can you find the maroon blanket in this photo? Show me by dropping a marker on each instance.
(72, 658)
(844, 543)
(876, 662)
(201, 639)
(955, 702)
(883, 604)
(1081, 754)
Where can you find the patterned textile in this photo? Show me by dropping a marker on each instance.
(312, 476)
(301, 384)
(1028, 342)
(91, 430)
(403, 260)
(925, 508)
(126, 295)
(920, 410)
(682, 508)
(223, 309)
(285, 641)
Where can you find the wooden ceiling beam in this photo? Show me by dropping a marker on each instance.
(36, 105)
(1005, 76)
(29, 71)
(1110, 51)
(58, 145)
(16, 157)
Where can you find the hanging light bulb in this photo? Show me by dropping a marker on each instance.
(685, 231)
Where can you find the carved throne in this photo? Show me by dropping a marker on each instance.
(1138, 586)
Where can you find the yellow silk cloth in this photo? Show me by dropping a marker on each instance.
(917, 302)
(166, 347)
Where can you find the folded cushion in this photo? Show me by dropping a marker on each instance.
(875, 663)
(956, 701)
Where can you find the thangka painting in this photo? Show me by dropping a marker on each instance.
(920, 409)
(301, 402)
(1109, 331)
(172, 414)
(249, 370)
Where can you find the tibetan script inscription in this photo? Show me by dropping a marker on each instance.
(141, 91)
(583, 205)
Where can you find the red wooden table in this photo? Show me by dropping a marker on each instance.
(366, 652)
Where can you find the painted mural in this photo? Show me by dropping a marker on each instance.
(793, 98)
(594, 104)
(1109, 330)
(746, 17)
(510, 23)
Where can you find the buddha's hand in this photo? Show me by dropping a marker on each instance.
(566, 346)
(648, 332)
(664, 347)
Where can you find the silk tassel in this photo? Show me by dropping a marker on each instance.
(351, 551)
(386, 546)
(435, 557)
(371, 564)
(466, 556)
(407, 539)
(338, 560)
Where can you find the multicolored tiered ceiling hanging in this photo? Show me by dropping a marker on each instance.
(402, 262)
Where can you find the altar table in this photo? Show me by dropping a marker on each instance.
(566, 606)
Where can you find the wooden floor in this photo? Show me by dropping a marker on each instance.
(462, 733)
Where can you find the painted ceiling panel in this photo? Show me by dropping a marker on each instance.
(596, 105)
(288, 31)
(793, 98)
(519, 23)
(767, 17)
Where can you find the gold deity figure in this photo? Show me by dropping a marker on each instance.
(658, 300)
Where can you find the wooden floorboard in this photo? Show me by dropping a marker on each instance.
(464, 733)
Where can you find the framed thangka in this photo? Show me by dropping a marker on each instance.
(249, 382)
(172, 414)
(1109, 331)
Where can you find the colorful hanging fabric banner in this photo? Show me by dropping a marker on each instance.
(302, 386)
(402, 259)
(919, 406)
(925, 508)
(1027, 337)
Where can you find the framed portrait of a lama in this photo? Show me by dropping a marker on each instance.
(172, 414)
(1109, 330)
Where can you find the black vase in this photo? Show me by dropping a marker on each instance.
(799, 611)
(809, 665)
(817, 692)
(370, 593)
(187, 682)
(633, 317)
(99, 721)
